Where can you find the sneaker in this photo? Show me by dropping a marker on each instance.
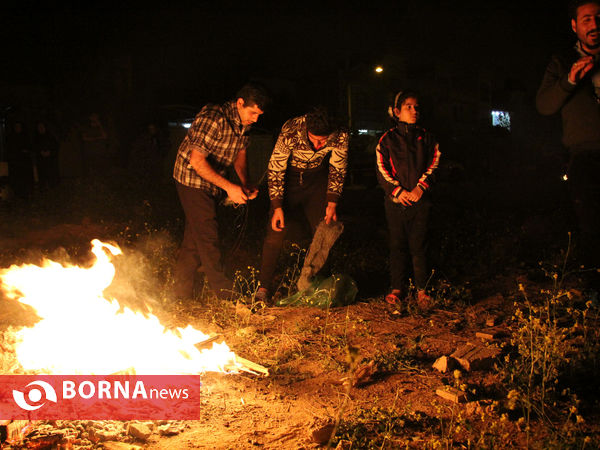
(424, 301)
(393, 298)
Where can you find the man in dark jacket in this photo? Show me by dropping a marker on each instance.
(571, 85)
(407, 157)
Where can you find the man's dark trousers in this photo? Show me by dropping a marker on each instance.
(200, 244)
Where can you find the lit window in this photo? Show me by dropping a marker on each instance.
(501, 119)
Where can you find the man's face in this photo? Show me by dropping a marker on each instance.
(248, 114)
(409, 111)
(587, 26)
(317, 141)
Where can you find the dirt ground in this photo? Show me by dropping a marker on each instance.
(362, 370)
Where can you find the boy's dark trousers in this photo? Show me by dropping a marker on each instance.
(408, 241)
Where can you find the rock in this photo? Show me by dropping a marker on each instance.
(96, 435)
(444, 364)
(170, 429)
(321, 435)
(139, 431)
(475, 357)
(452, 394)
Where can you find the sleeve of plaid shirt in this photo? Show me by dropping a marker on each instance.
(205, 133)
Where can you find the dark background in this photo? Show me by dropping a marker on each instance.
(500, 192)
(133, 59)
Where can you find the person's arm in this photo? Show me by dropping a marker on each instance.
(338, 166)
(385, 171)
(205, 170)
(241, 168)
(557, 86)
(276, 176)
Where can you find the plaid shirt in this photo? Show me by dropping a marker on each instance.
(217, 132)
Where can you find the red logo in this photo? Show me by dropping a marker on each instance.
(98, 397)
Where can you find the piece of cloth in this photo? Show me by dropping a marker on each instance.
(577, 104)
(293, 149)
(218, 133)
(304, 205)
(200, 244)
(324, 238)
(408, 242)
(407, 156)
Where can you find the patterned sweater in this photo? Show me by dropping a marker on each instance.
(293, 150)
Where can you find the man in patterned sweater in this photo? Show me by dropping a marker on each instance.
(217, 139)
(306, 175)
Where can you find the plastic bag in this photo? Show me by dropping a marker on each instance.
(336, 290)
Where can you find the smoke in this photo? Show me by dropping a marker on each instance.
(143, 273)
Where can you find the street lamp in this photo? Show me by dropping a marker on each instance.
(378, 70)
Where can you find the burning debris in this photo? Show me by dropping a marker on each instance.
(82, 332)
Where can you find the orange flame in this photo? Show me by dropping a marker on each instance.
(81, 332)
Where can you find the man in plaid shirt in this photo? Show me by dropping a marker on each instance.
(217, 139)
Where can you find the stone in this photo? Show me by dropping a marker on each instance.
(443, 364)
(452, 394)
(475, 357)
(170, 429)
(139, 431)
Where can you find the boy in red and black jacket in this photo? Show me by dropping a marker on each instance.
(407, 157)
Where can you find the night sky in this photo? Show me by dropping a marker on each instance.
(102, 56)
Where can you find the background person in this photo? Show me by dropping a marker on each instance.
(571, 85)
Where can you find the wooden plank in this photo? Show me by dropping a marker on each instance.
(452, 394)
(252, 367)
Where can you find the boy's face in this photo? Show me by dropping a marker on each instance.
(409, 111)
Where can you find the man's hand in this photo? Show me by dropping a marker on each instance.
(330, 212)
(580, 68)
(250, 191)
(236, 194)
(277, 221)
